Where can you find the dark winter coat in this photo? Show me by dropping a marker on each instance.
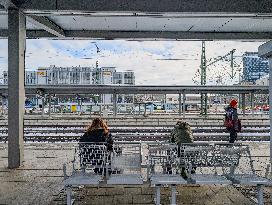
(231, 113)
(98, 136)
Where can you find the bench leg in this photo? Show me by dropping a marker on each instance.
(69, 195)
(173, 195)
(260, 194)
(158, 195)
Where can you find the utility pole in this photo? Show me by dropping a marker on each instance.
(203, 72)
(232, 64)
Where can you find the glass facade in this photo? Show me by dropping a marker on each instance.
(254, 67)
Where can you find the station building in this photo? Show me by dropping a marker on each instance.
(54, 75)
(78, 75)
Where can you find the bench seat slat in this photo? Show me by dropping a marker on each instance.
(83, 180)
(249, 179)
(167, 179)
(120, 179)
(209, 179)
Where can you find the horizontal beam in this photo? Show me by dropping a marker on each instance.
(153, 6)
(109, 89)
(147, 35)
(46, 24)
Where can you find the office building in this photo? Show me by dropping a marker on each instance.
(254, 67)
(78, 75)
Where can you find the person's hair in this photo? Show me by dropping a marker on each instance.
(98, 123)
(182, 123)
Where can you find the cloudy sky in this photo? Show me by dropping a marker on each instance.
(154, 62)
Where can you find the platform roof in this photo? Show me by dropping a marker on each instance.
(141, 19)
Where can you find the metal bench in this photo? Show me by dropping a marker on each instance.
(243, 172)
(125, 164)
(89, 167)
(202, 157)
(219, 163)
(162, 168)
(230, 163)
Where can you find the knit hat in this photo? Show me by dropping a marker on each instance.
(233, 103)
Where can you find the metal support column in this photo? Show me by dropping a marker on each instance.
(133, 106)
(16, 87)
(265, 50)
(114, 101)
(81, 102)
(2, 106)
(158, 195)
(252, 103)
(244, 104)
(173, 194)
(144, 109)
(43, 103)
(49, 109)
(184, 103)
(179, 100)
(270, 106)
(260, 195)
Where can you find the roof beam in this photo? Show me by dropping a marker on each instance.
(153, 6)
(179, 35)
(147, 35)
(109, 35)
(46, 24)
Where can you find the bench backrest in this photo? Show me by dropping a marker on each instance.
(233, 158)
(91, 157)
(162, 158)
(126, 158)
(227, 154)
(196, 154)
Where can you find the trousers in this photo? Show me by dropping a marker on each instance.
(233, 136)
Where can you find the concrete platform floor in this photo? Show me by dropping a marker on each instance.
(38, 181)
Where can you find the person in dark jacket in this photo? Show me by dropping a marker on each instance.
(97, 132)
(232, 122)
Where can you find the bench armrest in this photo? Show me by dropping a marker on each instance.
(268, 170)
(64, 171)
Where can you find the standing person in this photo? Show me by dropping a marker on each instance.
(232, 123)
(97, 132)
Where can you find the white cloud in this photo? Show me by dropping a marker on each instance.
(141, 57)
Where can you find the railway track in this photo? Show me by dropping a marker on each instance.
(137, 129)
